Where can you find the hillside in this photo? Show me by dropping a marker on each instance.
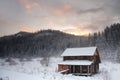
(49, 43)
(42, 43)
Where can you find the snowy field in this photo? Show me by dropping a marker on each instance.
(35, 70)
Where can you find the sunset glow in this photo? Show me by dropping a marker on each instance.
(26, 29)
(78, 17)
(78, 32)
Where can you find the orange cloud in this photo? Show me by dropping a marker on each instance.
(26, 29)
(64, 9)
(29, 5)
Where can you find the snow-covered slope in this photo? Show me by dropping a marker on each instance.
(34, 70)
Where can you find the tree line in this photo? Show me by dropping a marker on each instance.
(52, 43)
(108, 41)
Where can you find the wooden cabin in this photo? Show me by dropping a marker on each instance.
(80, 61)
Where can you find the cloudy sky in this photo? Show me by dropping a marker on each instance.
(78, 17)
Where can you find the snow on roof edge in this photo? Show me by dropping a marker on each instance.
(76, 62)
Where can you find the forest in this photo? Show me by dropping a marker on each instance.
(49, 43)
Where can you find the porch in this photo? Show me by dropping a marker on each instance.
(78, 67)
(80, 70)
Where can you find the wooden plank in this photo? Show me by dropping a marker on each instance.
(64, 71)
(88, 68)
(77, 58)
(70, 69)
(73, 69)
(80, 69)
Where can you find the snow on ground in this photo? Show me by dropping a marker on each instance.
(34, 70)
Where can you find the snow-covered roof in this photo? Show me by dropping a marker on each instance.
(86, 51)
(76, 62)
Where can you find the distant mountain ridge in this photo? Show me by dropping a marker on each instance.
(41, 43)
(48, 43)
